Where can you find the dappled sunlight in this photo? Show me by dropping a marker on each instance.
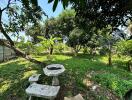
(5, 85)
(13, 74)
(40, 58)
(52, 58)
(62, 57)
(23, 62)
(28, 74)
(84, 72)
(104, 59)
(87, 82)
(115, 58)
(8, 62)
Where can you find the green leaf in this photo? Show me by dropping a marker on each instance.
(40, 37)
(65, 3)
(55, 5)
(49, 1)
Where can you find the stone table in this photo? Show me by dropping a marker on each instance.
(54, 70)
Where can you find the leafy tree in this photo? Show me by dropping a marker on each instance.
(104, 12)
(59, 47)
(48, 43)
(66, 21)
(75, 39)
(107, 41)
(99, 13)
(51, 28)
(92, 44)
(125, 47)
(18, 17)
(34, 31)
(25, 46)
(61, 25)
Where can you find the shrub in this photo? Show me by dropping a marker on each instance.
(111, 81)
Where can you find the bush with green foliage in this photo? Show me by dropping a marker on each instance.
(124, 47)
(59, 47)
(48, 44)
(26, 46)
(114, 83)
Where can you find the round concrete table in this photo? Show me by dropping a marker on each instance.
(54, 70)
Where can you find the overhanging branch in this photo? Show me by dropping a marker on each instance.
(9, 2)
(6, 35)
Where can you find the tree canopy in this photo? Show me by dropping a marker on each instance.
(18, 18)
(100, 12)
(61, 25)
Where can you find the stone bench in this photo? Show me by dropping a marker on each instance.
(34, 78)
(44, 91)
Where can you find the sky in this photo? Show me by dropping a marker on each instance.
(47, 8)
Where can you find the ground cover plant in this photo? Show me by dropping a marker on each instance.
(116, 79)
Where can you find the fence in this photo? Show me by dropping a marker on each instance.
(6, 53)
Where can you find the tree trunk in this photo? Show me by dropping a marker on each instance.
(4, 32)
(110, 55)
(51, 50)
(75, 52)
(76, 49)
(129, 65)
(17, 51)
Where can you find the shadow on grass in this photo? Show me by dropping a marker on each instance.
(18, 71)
(76, 69)
(13, 79)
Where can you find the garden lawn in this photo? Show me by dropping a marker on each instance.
(14, 75)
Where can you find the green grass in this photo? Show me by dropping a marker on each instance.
(14, 74)
(13, 78)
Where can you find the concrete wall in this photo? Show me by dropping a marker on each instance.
(6, 53)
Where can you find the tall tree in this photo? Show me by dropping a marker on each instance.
(17, 21)
(66, 21)
(107, 41)
(61, 25)
(77, 39)
(35, 30)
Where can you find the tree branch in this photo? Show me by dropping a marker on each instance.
(21, 53)
(9, 2)
(6, 35)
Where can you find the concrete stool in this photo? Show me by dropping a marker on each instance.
(44, 91)
(34, 78)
